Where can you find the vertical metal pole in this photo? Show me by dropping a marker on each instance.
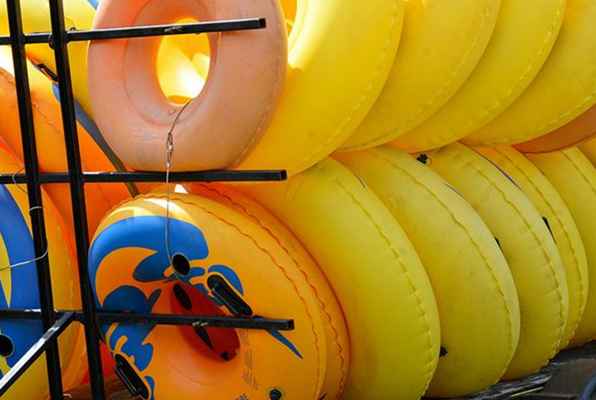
(34, 193)
(77, 192)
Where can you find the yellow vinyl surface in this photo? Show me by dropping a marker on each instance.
(574, 177)
(476, 296)
(521, 42)
(564, 88)
(556, 214)
(527, 245)
(336, 73)
(375, 272)
(442, 42)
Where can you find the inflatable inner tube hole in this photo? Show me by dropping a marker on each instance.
(6, 346)
(181, 264)
(164, 67)
(134, 384)
(183, 63)
(219, 344)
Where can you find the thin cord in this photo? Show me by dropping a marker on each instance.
(14, 180)
(37, 208)
(169, 158)
(25, 263)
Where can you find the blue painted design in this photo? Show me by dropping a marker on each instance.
(277, 335)
(24, 294)
(195, 272)
(147, 232)
(135, 334)
(94, 3)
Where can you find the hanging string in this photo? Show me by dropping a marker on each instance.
(169, 158)
(37, 208)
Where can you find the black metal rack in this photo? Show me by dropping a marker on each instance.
(56, 321)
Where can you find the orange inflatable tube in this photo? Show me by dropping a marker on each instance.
(50, 142)
(217, 262)
(224, 122)
(575, 132)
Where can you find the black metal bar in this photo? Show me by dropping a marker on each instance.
(203, 176)
(31, 314)
(207, 321)
(45, 343)
(30, 38)
(44, 178)
(165, 319)
(166, 30)
(154, 177)
(146, 31)
(79, 208)
(34, 194)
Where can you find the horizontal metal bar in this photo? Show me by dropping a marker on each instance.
(31, 38)
(154, 177)
(30, 314)
(146, 31)
(166, 30)
(35, 351)
(207, 321)
(200, 176)
(14, 179)
(164, 319)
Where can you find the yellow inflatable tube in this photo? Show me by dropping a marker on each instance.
(378, 278)
(36, 18)
(528, 247)
(441, 44)
(338, 351)
(574, 177)
(556, 214)
(478, 337)
(522, 40)
(564, 88)
(340, 56)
